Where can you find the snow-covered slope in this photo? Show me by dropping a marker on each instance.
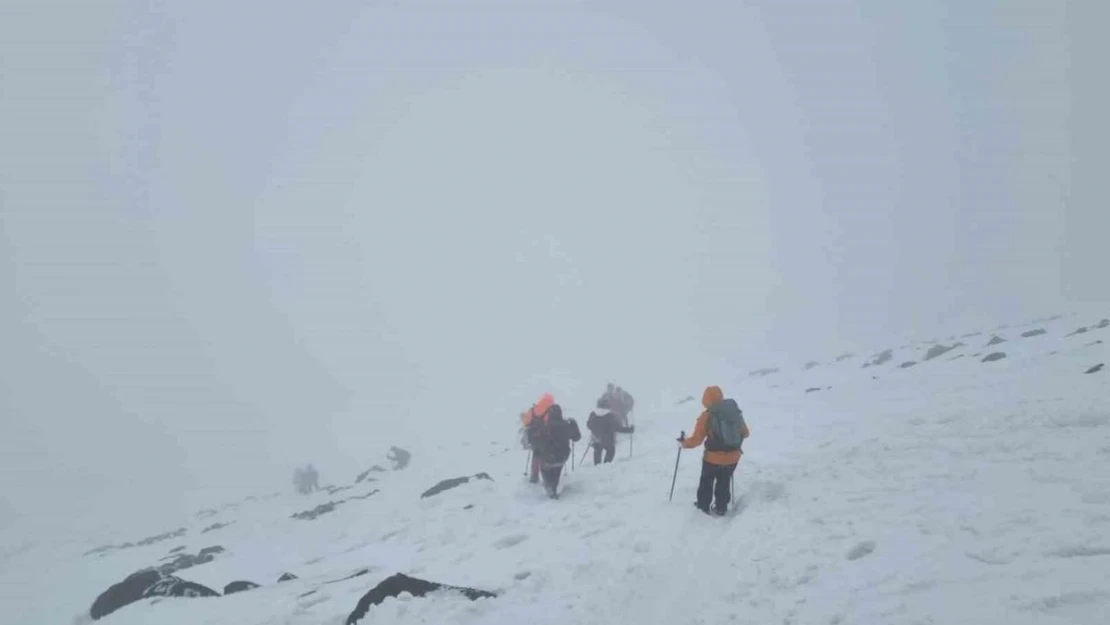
(951, 491)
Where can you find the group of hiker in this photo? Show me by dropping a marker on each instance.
(721, 428)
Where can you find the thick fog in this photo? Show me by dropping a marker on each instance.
(238, 237)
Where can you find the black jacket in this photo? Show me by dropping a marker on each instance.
(552, 441)
(604, 425)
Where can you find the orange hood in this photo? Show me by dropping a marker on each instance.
(712, 395)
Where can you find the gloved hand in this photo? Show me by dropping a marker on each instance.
(631, 429)
(682, 437)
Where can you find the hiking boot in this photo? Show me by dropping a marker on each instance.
(704, 509)
(719, 511)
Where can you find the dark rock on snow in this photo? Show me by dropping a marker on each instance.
(908, 364)
(762, 373)
(184, 560)
(366, 474)
(214, 527)
(995, 340)
(993, 356)
(309, 515)
(1105, 323)
(452, 483)
(399, 457)
(399, 583)
(142, 585)
(881, 358)
(177, 549)
(810, 365)
(689, 398)
(146, 542)
(373, 492)
(358, 573)
(1095, 369)
(1082, 330)
(940, 350)
(239, 586)
(843, 357)
(813, 389)
(286, 577)
(1032, 333)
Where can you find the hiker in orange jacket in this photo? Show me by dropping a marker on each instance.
(537, 411)
(720, 459)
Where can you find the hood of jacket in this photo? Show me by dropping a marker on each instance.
(711, 396)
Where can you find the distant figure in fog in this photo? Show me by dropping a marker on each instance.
(306, 480)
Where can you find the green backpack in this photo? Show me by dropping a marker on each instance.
(726, 427)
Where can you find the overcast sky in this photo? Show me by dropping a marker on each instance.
(236, 237)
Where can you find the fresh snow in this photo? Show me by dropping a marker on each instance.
(955, 491)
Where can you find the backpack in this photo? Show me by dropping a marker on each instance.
(538, 432)
(725, 427)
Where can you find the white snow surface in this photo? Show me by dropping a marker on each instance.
(954, 491)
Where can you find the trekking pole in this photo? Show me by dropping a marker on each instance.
(572, 457)
(583, 460)
(676, 459)
(632, 438)
(527, 462)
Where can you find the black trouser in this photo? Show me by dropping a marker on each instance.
(715, 480)
(551, 474)
(536, 463)
(610, 451)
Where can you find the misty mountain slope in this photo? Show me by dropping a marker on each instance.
(951, 491)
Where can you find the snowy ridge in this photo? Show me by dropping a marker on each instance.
(946, 492)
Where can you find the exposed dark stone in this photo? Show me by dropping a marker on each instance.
(324, 508)
(843, 357)
(214, 527)
(993, 356)
(358, 573)
(184, 560)
(120, 594)
(881, 358)
(761, 373)
(366, 474)
(178, 533)
(689, 398)
(375, 491)
(176, 549)
(287, 577)
(150, 540)
(336, 489)
(399, 457)
(1081, 330)
(813, 389)
(452, 483)
(239, 586)
(1032, 333)
(1103, 324)
(1095, 369)
(995, 340)
(908, 364)
(399, 583)
(940, 350)
(143, 584)
(810, 365)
